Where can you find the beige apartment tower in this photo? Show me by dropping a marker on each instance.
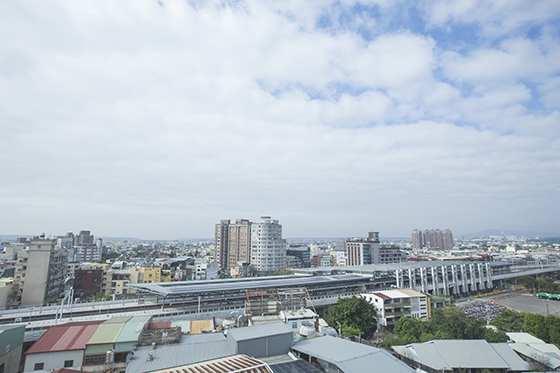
(232, 243)
(43, 276)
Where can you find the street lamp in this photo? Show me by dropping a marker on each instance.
(339, 330)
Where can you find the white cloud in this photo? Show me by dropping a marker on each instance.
(158, 121)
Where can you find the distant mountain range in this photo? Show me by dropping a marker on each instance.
(504, 232)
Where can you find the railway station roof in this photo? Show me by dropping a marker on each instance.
(185, 288)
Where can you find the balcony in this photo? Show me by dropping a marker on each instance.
(389, 306)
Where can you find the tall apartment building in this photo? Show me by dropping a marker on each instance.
(432, 239)
(40, 272)
(268, 249)
(88, 281)
(85, 254)
(232, 243)
(221, 243)
(302, 253)
(84, 238)
(364, 251)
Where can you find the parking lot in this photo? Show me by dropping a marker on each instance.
(521, 301)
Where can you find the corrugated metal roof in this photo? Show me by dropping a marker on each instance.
(538, 351)
(133, 328)
(259, 331)
(107, 332)
(524, 338)
(235, 363)
(118, 320)
(448, 354)
(185, 325)
(67, 337)
(378, 362)
(191, 349)
(511, 358)
(351, 357)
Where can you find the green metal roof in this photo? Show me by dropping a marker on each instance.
(133, 328)
(118, 320)
(542, 294)
(556, 296)
(106, 333)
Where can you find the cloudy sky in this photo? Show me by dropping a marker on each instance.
(157, 119)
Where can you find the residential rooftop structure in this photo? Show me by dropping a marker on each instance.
(84, 345)
(453, 355)
(258, 341)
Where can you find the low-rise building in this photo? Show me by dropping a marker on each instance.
(461, 355)
(541, 354)
(85, 345)
(340, 355)
(391, 305)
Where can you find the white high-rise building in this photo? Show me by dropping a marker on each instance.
(268, 249)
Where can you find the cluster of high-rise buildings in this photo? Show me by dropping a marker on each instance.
(243, 247)
(41, 265)
(432, 239)
(243, 243)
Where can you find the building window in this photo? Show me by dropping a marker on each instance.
(2, 368)
(39, 366)
(68, 363)
(294, 325)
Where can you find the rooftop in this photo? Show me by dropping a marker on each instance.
(235, 363)
(351, 357)
(67, 337)
(449, 354)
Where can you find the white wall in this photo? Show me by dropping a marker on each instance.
(54, 360)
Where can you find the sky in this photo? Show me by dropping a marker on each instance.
(158, 119)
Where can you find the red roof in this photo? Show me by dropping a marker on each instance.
(382, 296)
(159, 325)
(67, 337)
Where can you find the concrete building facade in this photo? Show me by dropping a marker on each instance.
(232, 243)
(391, 305)
(40, 272)
(268, 249)
(365, 251)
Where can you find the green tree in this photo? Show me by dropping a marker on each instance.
(546, 284)
(354, 312)
(536, 325)
(492, 336)
(449, 323)
(410, 329)
(528, 281)
(509, 321)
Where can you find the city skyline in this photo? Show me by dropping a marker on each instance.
(156, 119)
